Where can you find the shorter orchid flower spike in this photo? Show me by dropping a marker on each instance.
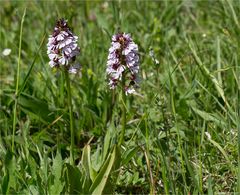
(123, 59)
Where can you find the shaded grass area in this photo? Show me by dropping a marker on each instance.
(182, 131)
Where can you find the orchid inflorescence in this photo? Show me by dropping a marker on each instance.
(62, 47)
(122, 66)
(123, 61)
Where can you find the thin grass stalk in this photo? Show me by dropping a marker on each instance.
(238, 180)
(123, 111)
(116, 14)
(167, 178)
(61, 89)
(147, 156)
(17, 81)
(178, 134)
(200, 143)
(86, 9)
(152, 188)
(32, 65)
(238, 127)
(181, 156)
(69, 98)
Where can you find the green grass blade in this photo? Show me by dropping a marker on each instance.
(87, 167)
(57, 166)
(103, 176)
(17, 82)
(31, 67)
(217, 145)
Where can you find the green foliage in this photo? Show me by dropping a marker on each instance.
(85, 180)
(182, 130)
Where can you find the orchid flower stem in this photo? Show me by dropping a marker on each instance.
(69, 98)
(123, 111)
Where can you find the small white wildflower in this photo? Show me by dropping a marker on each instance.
(208, 135)
(156, 61)
(6, 52)
(152, 55)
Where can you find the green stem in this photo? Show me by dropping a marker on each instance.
(86, 9)
(178, 132)
(238, 127)
(69, 98)
(17, 82)
(200, 143)
(123, 111)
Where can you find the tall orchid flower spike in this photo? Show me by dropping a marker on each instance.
(62, 48)
(123, 61)
(123, 68)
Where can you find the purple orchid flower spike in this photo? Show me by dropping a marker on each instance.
(62, 47)
(123, 58)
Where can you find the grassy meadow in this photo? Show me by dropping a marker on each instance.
(182, 131)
